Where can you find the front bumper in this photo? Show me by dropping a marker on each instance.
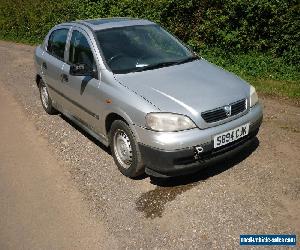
(166, 162)
(161, 163)
(169, 141)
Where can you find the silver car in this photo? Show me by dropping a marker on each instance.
(139, 90)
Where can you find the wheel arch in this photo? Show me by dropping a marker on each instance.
(113, 116)
(38, 78)
(110, 118)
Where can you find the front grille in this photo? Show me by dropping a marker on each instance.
(238, 107)
(220, 113)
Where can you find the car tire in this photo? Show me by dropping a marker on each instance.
(125, 150)
(46, 99)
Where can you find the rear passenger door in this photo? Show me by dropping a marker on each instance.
(83, 91)
(54, 62)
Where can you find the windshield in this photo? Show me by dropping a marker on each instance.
(141, 47)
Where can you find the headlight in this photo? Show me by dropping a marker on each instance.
(253, 96)
(168, 122)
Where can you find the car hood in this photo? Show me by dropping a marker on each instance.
(188, 89)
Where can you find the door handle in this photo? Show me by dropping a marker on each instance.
(44, 65)
(64, 77)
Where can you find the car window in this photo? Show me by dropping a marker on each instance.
(57, 43)
(80, 50)
(135, 48)
(154, 39)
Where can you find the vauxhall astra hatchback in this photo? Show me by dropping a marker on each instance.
(137, 89)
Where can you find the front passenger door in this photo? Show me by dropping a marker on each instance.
(83, 91)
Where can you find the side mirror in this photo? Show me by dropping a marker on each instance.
(83, 70)
(79, 70)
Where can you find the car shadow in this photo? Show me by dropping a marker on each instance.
(86, 134)
(84, 83)
(153, 203)
(209, 171)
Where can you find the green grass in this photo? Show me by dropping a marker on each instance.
(276, 88)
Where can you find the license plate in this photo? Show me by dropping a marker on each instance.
(231, 135)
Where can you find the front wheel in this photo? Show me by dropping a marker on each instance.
(46, 99)
(125, 150)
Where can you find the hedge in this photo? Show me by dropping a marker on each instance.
(212, 27)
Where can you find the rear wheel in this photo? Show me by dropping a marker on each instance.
(125, 150)
(46, 99)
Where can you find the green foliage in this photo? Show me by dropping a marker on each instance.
(232, 25)
(253, 38)
(30, 20)
(253, 64)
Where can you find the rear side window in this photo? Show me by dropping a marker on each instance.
(80, 50)
(57, 43)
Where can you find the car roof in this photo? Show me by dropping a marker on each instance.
(115, 22)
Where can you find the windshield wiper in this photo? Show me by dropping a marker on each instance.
(188, 59)
(165, 64)
(154, 66)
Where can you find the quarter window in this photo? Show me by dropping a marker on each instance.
(57, 43)
(80, 51)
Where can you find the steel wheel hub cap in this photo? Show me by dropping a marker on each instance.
(122, 148)
(45, 97)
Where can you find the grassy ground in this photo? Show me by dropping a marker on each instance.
(284, 89)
